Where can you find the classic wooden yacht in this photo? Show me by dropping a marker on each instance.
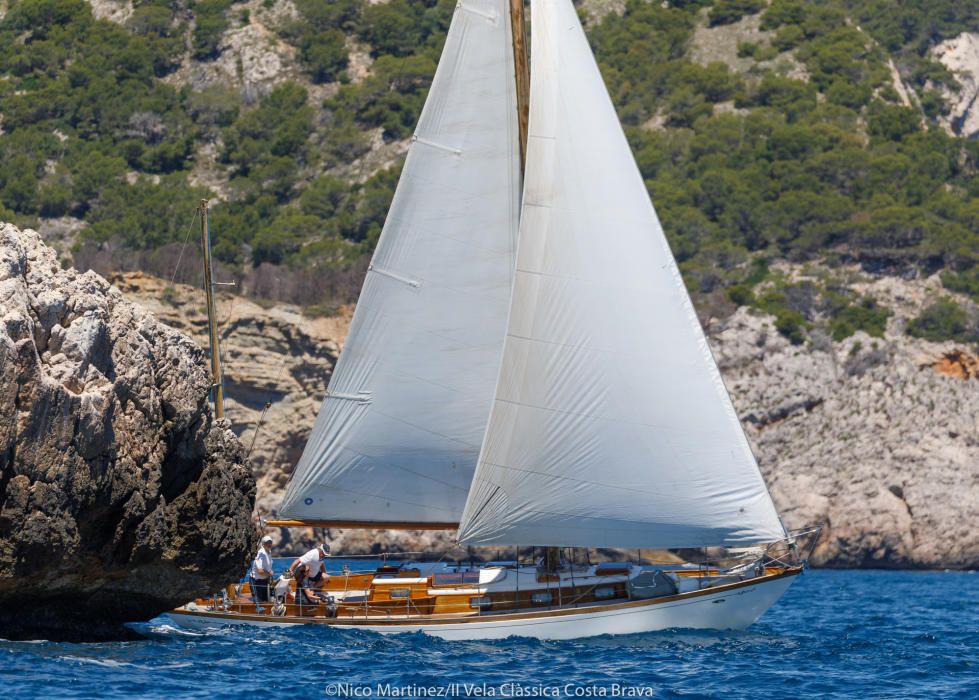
(525, 367)
(502, 599)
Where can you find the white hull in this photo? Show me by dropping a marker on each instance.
(732, 608)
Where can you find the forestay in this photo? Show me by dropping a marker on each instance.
(611, 424)
(397, 437)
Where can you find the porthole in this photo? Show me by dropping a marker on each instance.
(544, 598)
(480, 601)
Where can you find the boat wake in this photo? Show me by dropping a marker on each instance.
(164, 627)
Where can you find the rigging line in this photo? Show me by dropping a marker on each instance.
(261, 418)
(226, 323)
(183, 247)
(258, 427)
(231, 310)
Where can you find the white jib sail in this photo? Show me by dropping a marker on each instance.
(397, 438)
(611, 425)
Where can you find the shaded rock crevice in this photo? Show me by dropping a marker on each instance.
(780, 413)
(120, 496)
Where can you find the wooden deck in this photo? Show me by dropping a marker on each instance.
(376, 599)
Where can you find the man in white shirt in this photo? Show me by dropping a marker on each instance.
(261, 571)
(310, 572)
(313, 559)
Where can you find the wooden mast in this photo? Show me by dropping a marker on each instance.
(521, 67)
(217, 379)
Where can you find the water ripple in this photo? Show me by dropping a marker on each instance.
(834, 635)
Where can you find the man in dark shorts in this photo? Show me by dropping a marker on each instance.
(261, 572)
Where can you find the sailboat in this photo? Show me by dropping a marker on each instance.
(525, 367)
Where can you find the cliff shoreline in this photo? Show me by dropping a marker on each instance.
(120, 496)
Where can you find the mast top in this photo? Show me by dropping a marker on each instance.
(521, 67)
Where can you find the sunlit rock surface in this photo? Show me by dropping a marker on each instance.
(120, 497)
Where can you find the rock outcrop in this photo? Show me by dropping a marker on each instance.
(274, 356)
(961, 56)
(877, 440)
(120, 498)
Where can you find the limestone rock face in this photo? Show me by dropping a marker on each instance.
(251, 56)
(961, 56)
(120, 498)
(271, 355)
(874, 439)
(113, 10)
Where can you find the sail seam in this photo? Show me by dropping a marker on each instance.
(594, 524)
(427, 430)
(374, 496)
(394, 276)
(433, 144)
(580, 347)
(602, 484)
(395, 465)
(490, 16)
(593, 521)
(340, 396)
(573, 278)
(582, 414)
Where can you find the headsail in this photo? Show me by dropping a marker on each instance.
(397, 437)
(611, 424)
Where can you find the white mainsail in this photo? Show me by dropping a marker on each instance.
(611, 424)
(397, 437)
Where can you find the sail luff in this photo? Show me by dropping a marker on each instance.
(397, 436)
(611, 424)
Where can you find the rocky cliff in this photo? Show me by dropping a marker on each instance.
(960, 56)
(277, 363)
(875, 439)
(120, 498)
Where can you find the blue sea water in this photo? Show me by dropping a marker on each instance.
(835, 634)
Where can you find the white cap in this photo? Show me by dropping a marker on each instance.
(267, 538)
(325, 547)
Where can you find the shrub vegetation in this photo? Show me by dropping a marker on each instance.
(945, 320)
(743, 167)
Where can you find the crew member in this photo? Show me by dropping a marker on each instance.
(306, 592)
(315, 568)
(261, 572)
